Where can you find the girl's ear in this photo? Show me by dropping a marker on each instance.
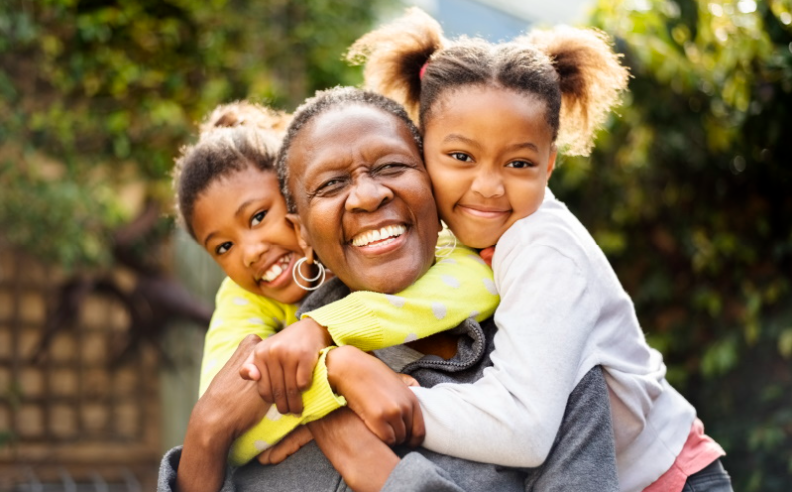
(302, 236)
(551, 161)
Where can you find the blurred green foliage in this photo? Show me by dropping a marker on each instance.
(96, 97)
(688, 192)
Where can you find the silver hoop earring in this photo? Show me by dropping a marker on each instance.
(296, 271)
(444, 250)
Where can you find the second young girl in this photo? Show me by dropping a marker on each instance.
(492, 118)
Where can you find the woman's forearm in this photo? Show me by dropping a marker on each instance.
(202, 466)
(341, 436)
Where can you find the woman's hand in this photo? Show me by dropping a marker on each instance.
(377, 395)
(283, 364)
(286, 447)
(362, 459)
(229, 407)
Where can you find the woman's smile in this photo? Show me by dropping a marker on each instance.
(364, 198)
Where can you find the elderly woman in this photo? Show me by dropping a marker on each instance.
(351, 163)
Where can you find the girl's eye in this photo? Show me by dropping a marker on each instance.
(520, 164)
(223, 248)
(461, 156)
(256, 220)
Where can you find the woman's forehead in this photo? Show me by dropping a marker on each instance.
(336, 135)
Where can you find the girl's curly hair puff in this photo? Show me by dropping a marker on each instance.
(574, 71)
(233, 137)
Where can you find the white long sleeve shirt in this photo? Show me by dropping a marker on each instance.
(562, 312)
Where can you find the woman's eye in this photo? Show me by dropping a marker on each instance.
(461, 156)
(520, 164)
(329, 186)
(390, 168)
(223, 248)
(256, 220)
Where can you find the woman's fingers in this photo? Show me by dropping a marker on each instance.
(289, 445)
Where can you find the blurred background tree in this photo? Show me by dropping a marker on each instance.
(688, 192)
(97, 96)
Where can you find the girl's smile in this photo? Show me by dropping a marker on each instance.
(241, 221)
(489, 152)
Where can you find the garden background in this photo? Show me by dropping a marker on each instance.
(688, 190)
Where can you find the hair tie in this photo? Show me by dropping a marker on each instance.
(423, 70)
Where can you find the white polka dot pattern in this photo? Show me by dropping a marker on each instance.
(396, 300)
(439, 310)
(450, 281)
(410, 338)
(490, 286)
(273, 414)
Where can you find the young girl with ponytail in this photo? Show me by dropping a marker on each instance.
(493, 117)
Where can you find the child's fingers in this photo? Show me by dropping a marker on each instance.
(263, 384)
(278, 386)
(293, 392)
(408, 380)
(305, 370)
(418, 430)
(384, 431)
(249, 371)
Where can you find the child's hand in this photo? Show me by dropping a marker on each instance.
(283, 364)
(380, 397)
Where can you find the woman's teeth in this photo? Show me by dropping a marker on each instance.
(277, 268)
(387, 232)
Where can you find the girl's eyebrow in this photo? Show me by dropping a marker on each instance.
(242, 206)
(455, 137)
(523, 145)
(208, 237)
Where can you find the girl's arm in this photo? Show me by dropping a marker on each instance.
(238, 314)
(511, 416)
(454, 289)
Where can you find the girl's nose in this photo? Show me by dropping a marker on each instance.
(488, 184)
(367, 195)
(252, 251)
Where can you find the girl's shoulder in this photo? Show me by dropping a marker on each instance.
(231, 294)
(553, 229)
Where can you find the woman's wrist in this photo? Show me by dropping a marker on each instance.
(208, 428)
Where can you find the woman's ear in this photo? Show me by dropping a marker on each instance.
(302, 236)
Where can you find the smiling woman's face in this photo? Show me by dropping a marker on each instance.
(364, 198)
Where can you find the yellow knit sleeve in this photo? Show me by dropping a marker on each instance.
(318, 400)
(238, 313)
(455, 288)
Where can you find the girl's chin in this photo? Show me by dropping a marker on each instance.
(289, 294)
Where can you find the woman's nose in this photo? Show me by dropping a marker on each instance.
(367, 195)
(488, 184)
(252, 251)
